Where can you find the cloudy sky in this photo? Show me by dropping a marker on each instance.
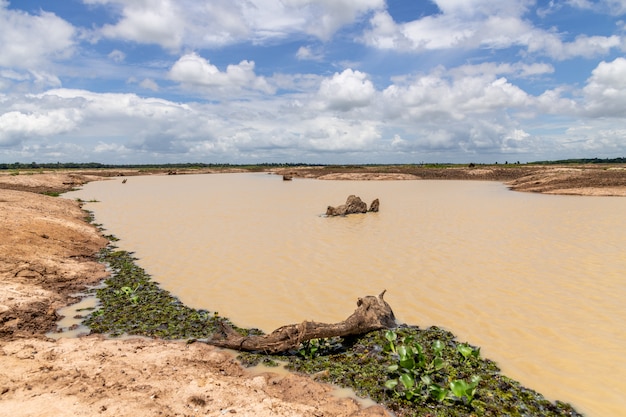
(316, 81)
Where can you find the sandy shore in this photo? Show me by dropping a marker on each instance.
(47, 255)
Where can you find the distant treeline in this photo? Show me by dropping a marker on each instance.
(197, 165)
(96, 165)
(621, 160)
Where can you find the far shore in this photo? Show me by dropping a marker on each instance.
(565, 179)
(48, 256)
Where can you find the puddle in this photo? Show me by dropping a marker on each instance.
(70, 325)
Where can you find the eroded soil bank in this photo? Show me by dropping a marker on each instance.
(48, 255)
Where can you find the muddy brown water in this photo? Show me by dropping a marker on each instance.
(538, 281)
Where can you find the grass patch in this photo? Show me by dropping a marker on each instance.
(51, 193)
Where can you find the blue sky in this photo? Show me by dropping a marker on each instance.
(316, 81)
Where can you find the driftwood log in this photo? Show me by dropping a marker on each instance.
(354, 205)
(372, 313)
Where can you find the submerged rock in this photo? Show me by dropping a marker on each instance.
(353, 205)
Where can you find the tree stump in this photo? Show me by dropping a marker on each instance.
(372, 313)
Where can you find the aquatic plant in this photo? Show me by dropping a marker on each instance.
(314, 347)
(131, 303)
(451, 385)
(418, 375)
(467, 351)
(130, 293)
(465, 390)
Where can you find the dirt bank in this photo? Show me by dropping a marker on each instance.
(598, 180)
(47, 255)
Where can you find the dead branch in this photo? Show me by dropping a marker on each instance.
(372, 313)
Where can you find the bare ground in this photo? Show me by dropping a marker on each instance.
(597, 180)
(47, 254)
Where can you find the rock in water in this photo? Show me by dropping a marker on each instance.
(374, 206)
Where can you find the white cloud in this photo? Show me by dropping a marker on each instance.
(439, 97)
(117, 55)
(455, 114)
(605, 92)
(322, 18)
(14, 75)
(551, 45)
(331, 134)
(155, 21)
(174, 24)
(468, 25)
(614, 7)
(16, 126)
(194, 71)
(517, 70)
(112, 148)
(346, 91)
(447, 31)
(307, 53)
(149, 84)
(31, 41)
(63, 111)
(23, 80)
(471, 8)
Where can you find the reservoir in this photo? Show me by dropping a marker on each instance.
(537, 281)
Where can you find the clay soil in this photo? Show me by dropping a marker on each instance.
(47, 256)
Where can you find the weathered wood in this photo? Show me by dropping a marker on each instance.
(354, 205)
(372, 313)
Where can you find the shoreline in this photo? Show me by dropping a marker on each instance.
(51, 255)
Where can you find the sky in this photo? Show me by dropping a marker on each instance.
(311, 81)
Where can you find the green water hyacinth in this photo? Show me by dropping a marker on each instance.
(467, 351)
(129, 292)
(422, 375)
(465, 390)
(131, 303)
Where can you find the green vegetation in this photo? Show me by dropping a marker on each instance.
(51, 193)
(97, 165)
(131, 303)
(620, 160)
(31, 167)
(452, 382)
(422, 376)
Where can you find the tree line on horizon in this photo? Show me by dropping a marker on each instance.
(97, 165)
(192, 165)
